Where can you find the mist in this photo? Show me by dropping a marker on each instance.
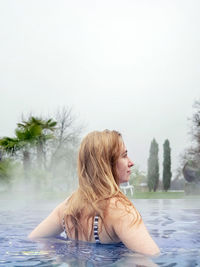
(42, 157)
(125, 65)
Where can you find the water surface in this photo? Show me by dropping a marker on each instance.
(174, 225)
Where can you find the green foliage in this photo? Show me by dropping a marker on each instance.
(8, 170)
(30, 134)
(166, 165)
(137, 178)
(37, 131)
(10, 145)
(153, 167)
(4, 171)
(159, 195)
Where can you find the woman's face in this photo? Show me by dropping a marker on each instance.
(123, 165)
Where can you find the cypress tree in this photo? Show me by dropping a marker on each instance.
(166, 165)
(153, 167)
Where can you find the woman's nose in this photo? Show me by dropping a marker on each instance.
(131, 164)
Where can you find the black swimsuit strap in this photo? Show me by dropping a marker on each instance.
(64, 228)
(95, 228)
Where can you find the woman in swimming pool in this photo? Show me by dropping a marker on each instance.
(98, 211)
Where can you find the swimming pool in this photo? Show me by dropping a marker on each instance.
(174, 225)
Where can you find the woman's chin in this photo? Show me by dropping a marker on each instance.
(125, 180)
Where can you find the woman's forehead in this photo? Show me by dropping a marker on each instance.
(123, 147)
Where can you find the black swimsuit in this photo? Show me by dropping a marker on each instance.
(95, 229)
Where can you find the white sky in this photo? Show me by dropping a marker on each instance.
(127, 65)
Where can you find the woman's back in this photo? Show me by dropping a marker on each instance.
(91, 228)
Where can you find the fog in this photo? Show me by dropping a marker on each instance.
(127, 65)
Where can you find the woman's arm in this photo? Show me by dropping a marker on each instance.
(134, 236)
(51, 226)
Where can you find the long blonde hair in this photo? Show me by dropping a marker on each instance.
(98, 180)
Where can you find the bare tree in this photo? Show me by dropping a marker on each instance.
(63, 148)
(195, 132)
(191, 155)
(67, 130)
(67, 134)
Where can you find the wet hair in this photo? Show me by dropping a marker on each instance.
(98, 179)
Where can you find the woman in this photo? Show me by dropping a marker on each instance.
(98, 211)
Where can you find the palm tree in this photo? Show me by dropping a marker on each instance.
(39, 130)
(30, 133)
(12, 145)
(27, 138)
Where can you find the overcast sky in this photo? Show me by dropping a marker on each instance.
(128, 65)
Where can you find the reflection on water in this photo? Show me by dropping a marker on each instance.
(174, 224)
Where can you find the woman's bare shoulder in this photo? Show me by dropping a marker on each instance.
(120, 209)
(129, 227)
(62, 207)
(120, 204)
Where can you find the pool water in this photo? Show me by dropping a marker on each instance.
(174, 225)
